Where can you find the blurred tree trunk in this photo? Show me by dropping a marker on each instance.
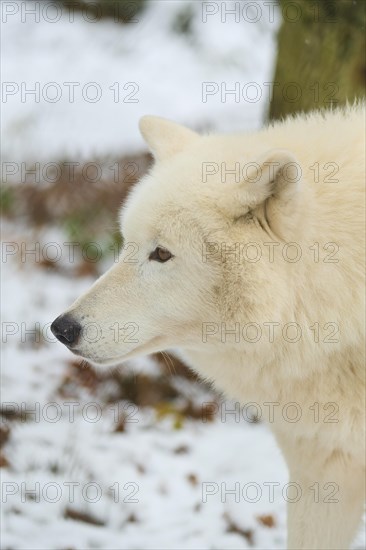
(321, 55)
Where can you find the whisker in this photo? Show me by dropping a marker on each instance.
(84, 364)
(169, 363)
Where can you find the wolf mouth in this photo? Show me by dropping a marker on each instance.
(151, 346)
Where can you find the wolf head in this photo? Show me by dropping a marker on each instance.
(193, 257)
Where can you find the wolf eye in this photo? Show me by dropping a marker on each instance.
(160, 255)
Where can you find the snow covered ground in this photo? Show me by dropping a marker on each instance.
(84, 467)
(146, 67)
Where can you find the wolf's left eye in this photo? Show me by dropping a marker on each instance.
(160, 254)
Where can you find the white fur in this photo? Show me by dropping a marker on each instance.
(171, 302)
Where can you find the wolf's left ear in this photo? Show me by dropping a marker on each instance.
(164, 137)
(272, 189)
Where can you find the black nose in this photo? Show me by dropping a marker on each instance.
(66, 329)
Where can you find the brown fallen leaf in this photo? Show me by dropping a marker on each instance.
(4, 434)
(76, 515)
(192, 478)
(233, 527)
(132, 519)
(267, 521)
(3, 461)
(181, 450)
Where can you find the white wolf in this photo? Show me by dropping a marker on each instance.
(246, 253)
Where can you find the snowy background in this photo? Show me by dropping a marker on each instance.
(144, 456)
(156, 64)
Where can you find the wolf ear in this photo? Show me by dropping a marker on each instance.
(164, 137)
(275, 174)
(271, 190)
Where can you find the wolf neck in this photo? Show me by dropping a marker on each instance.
(246, 378)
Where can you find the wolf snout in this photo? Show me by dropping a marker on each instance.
(66, 330)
